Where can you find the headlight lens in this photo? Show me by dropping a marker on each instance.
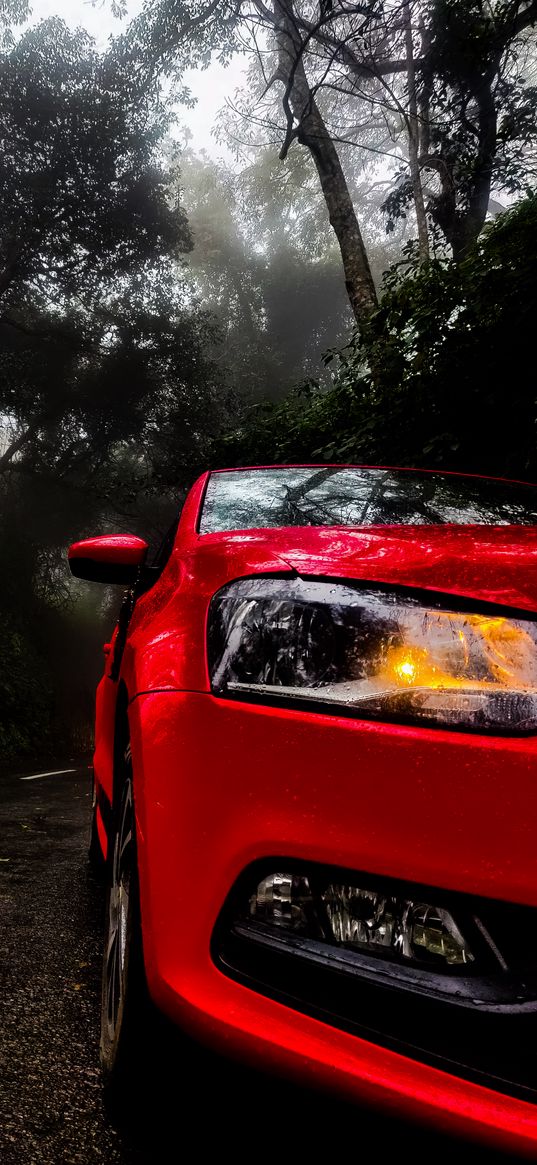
(373, 653)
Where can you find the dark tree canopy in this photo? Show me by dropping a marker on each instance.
(97, 338)
(83, 200)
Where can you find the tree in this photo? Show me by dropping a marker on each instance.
(447, 77)
(171, 32)
(94, 320)
(476, 127)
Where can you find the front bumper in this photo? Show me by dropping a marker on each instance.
(220, 785)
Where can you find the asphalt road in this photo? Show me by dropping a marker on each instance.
(195, 1104)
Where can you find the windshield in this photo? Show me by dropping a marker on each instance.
(261, 498)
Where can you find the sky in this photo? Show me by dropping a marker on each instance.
(210, 87)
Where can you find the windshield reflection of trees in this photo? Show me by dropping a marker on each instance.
(336, 496)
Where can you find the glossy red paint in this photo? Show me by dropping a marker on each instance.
(368, 796)
(114, 558)
(115, 549)
(219, 784)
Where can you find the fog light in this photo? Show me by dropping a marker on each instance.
(279, 900)
(436, 932)
(412, 930)
(361, 919)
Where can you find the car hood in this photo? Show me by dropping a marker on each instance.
(496, 564)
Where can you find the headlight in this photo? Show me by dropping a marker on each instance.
(373, 653)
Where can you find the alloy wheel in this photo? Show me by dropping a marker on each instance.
(118, 929)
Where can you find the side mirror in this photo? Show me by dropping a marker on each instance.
(114, 558)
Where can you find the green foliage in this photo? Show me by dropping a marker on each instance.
(83, 199)
(443, 376)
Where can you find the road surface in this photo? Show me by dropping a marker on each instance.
(51, 1111)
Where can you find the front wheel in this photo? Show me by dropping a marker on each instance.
(124, 998)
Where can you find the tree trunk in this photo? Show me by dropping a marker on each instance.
(426, 91)
(472, 221)
(414, 136)
(18, 443)
(9, 270)
(311, 131)
(462, 225)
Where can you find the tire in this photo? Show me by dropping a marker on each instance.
(125, 1006)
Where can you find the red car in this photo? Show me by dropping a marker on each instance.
(315, 786)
